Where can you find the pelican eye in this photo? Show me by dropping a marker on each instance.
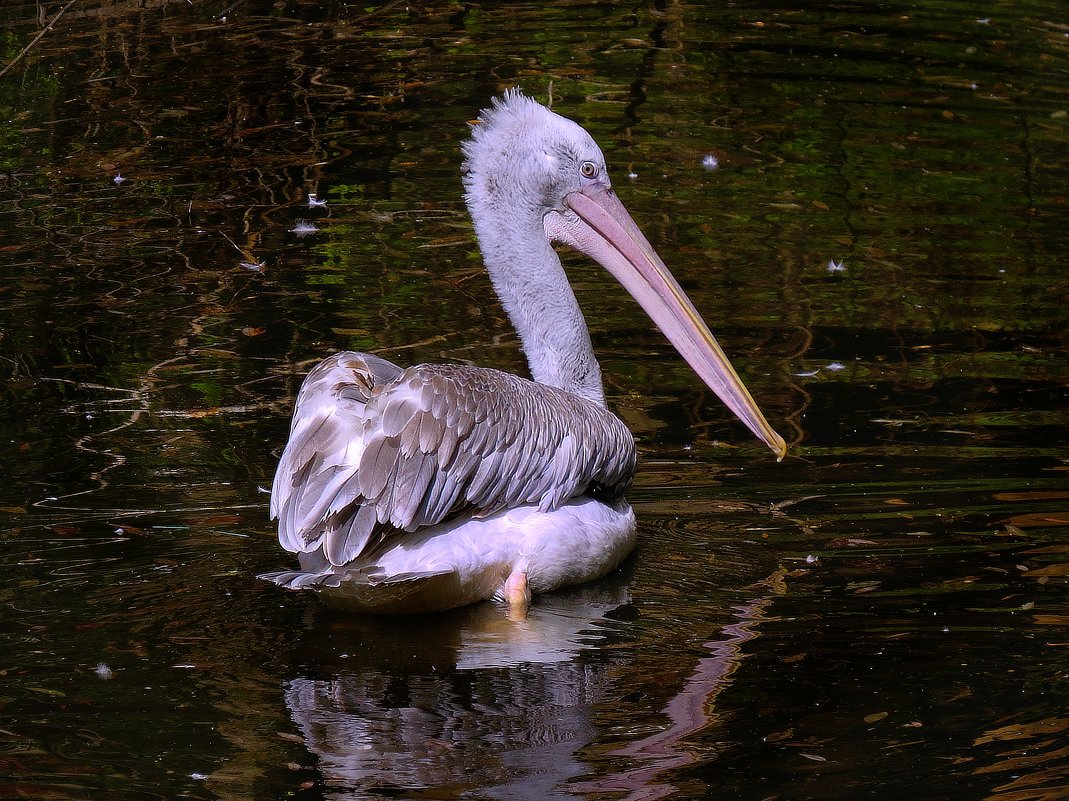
(588, 169)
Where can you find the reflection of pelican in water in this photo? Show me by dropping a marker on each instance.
(512, 736)
(456, 715)
(477, 701)
(440, 485)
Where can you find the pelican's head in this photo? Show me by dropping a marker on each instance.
(525, 157)
(526, 167)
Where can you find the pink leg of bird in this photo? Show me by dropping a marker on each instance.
(517, 594)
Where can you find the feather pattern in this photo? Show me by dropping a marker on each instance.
(375, 450)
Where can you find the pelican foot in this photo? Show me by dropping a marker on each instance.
(517, 594)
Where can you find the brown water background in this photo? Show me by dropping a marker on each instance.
(883, 615)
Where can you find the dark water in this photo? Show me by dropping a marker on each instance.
(883, 615)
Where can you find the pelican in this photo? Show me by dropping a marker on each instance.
(439, 485)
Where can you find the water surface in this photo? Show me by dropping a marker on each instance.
(883, 614)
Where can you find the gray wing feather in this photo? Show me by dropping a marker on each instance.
(375, 450)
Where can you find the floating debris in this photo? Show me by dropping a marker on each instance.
(314, 202)
(836, 266)
(835, 366)
(807, 373)
(304, 228)
(118, 179)
(710, 162)
(254, 266)
(104, 672)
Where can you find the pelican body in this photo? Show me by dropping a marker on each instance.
(439, 485)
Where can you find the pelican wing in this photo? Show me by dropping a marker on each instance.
(375, 450)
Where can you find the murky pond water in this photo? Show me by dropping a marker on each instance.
(882, 615)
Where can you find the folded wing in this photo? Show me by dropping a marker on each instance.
(375, 450)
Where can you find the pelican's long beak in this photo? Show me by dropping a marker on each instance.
(604, 231)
